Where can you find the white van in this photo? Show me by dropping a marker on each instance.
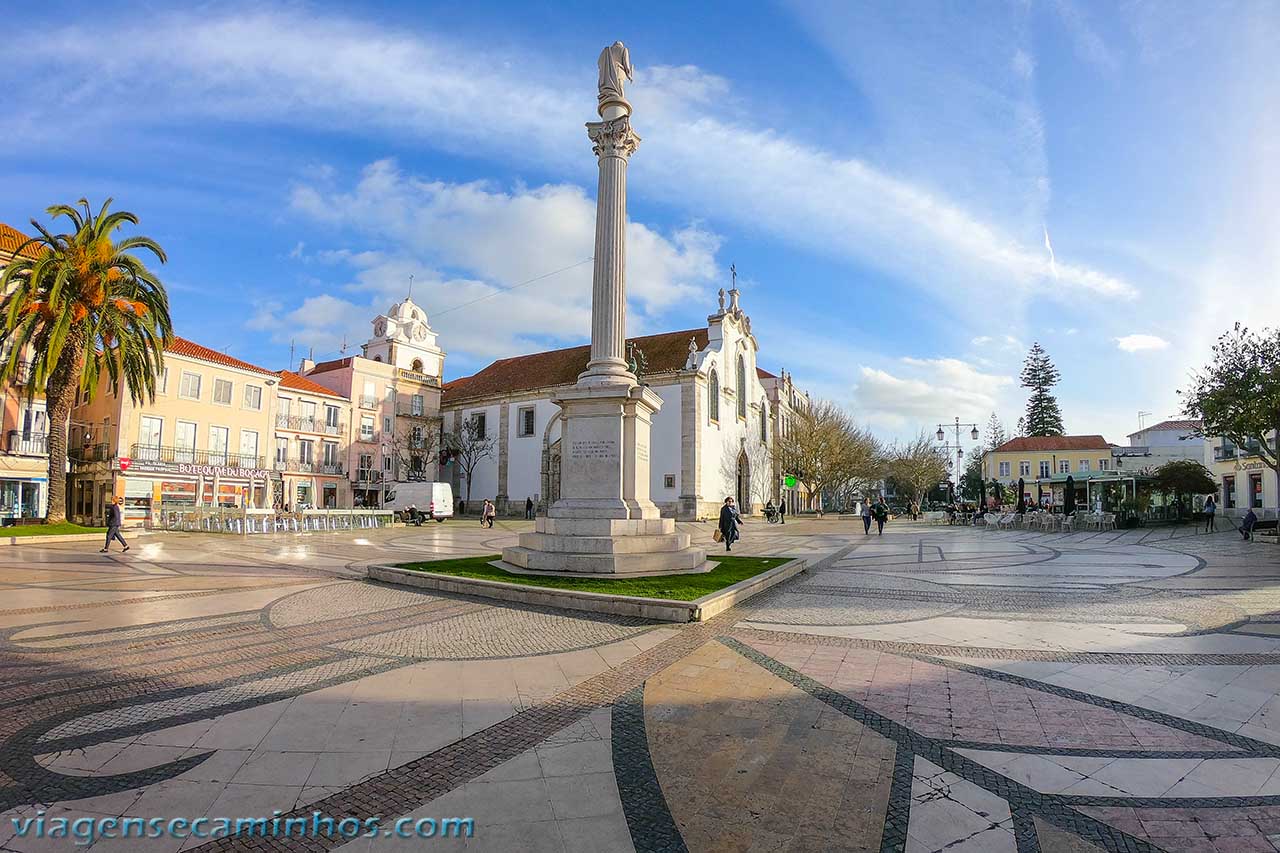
(431, 500)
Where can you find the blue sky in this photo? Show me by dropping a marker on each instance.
(887, 177)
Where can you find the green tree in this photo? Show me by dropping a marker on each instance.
(1182, 477)
(82, 309)
(1043, 416)
(827, 452)
(996, 435)
(972, 482)
(1238, 394)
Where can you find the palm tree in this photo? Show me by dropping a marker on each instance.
(79, 307)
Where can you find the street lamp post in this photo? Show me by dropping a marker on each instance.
(959, 450)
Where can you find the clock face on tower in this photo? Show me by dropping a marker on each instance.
(420, 333)
(380, 328)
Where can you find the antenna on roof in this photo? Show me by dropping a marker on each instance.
(1142, 417)
(343, 350)
(311, 354)
(290, 350)
(410, 285)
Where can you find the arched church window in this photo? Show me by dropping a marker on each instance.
(764, 421)
(713, 395)
(742, 387)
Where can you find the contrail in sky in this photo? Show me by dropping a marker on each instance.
(1053, 262)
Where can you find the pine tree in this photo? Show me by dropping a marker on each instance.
(995, 432)
(1038, 373)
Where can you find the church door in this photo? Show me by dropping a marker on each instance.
(743, 493)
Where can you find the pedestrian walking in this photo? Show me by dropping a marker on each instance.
(729, 521)
(866, 517)
(115, 518)
(528, 508)
(487, 513)
(782, 511)
(1246, 526)
(915, 511)
(1210, 515)
(881, 513)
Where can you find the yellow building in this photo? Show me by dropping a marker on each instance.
(203, 441)
(1043, 462)
(1245, 481)
(24, 426)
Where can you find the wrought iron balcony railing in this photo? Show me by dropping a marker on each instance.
(301, 423)
(191, 456)
(311, 466)
(28, 443)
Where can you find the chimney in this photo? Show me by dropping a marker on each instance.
(306, 366)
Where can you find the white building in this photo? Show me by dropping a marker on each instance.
(1244, 480)
(1166, 441)
(711, 438)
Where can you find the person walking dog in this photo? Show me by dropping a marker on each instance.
(729, 521)
(115, 518)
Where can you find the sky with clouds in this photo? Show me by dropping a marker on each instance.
(912, 193)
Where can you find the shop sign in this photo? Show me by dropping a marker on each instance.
(149, 466)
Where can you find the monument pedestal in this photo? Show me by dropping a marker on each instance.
(609, 526)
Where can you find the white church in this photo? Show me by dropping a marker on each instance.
(711, 439)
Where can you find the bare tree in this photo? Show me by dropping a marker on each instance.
(415, 448)
(468, 447)
(826, 451)
(917, 466)
(760, 485)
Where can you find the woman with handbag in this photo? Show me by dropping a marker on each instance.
(728, 527)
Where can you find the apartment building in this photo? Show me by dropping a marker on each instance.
(394, 389)
(1245, 481)
(24, 425)
(201, 442)
(312, 438)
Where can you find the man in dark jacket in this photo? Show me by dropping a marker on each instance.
(114, 519)
(1250, 521)
(528, 508)
(729, 521)
(782, 511)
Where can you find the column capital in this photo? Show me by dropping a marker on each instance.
(613, 137)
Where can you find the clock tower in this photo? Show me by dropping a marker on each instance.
(402, 337)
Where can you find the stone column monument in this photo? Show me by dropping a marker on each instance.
(605, 522)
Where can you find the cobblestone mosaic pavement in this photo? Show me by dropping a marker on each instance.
(932, 689)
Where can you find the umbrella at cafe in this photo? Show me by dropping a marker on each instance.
(982, 496)
(1069, 500)
(1022, 496)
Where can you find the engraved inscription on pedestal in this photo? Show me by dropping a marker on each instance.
(594, 449)
(642, 452)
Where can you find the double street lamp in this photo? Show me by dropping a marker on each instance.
(942, 436)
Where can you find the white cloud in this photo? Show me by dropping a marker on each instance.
(322, 72)
(473, 250)
(1139, 343)
(922, 392)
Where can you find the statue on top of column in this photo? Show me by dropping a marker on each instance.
(615, 66)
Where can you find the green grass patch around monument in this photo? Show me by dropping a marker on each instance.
(728, 571)
(64, 528)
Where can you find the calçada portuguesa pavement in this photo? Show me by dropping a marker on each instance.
(932, 689)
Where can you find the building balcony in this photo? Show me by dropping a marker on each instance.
(369, 437)
(300, 423)
(22, 373)
(27, 443)
(311, 466)
(410, 411)
(1223, 452)
(420, 378)
(190, 456)
(368, 401)
(90, 453)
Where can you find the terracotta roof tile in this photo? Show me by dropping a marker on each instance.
(1054, 442)
(289, 379)
(191, 349)
(11, 238)
(764, 374)
(666, 352)
(334, 364)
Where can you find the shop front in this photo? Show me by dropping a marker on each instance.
(311, 491)
(23, 497)
(149, 486)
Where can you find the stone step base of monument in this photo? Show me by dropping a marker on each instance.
(654, 543)
(590, 563)
(706, 566)
(605, 526)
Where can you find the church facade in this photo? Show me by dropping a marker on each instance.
(711, 439)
